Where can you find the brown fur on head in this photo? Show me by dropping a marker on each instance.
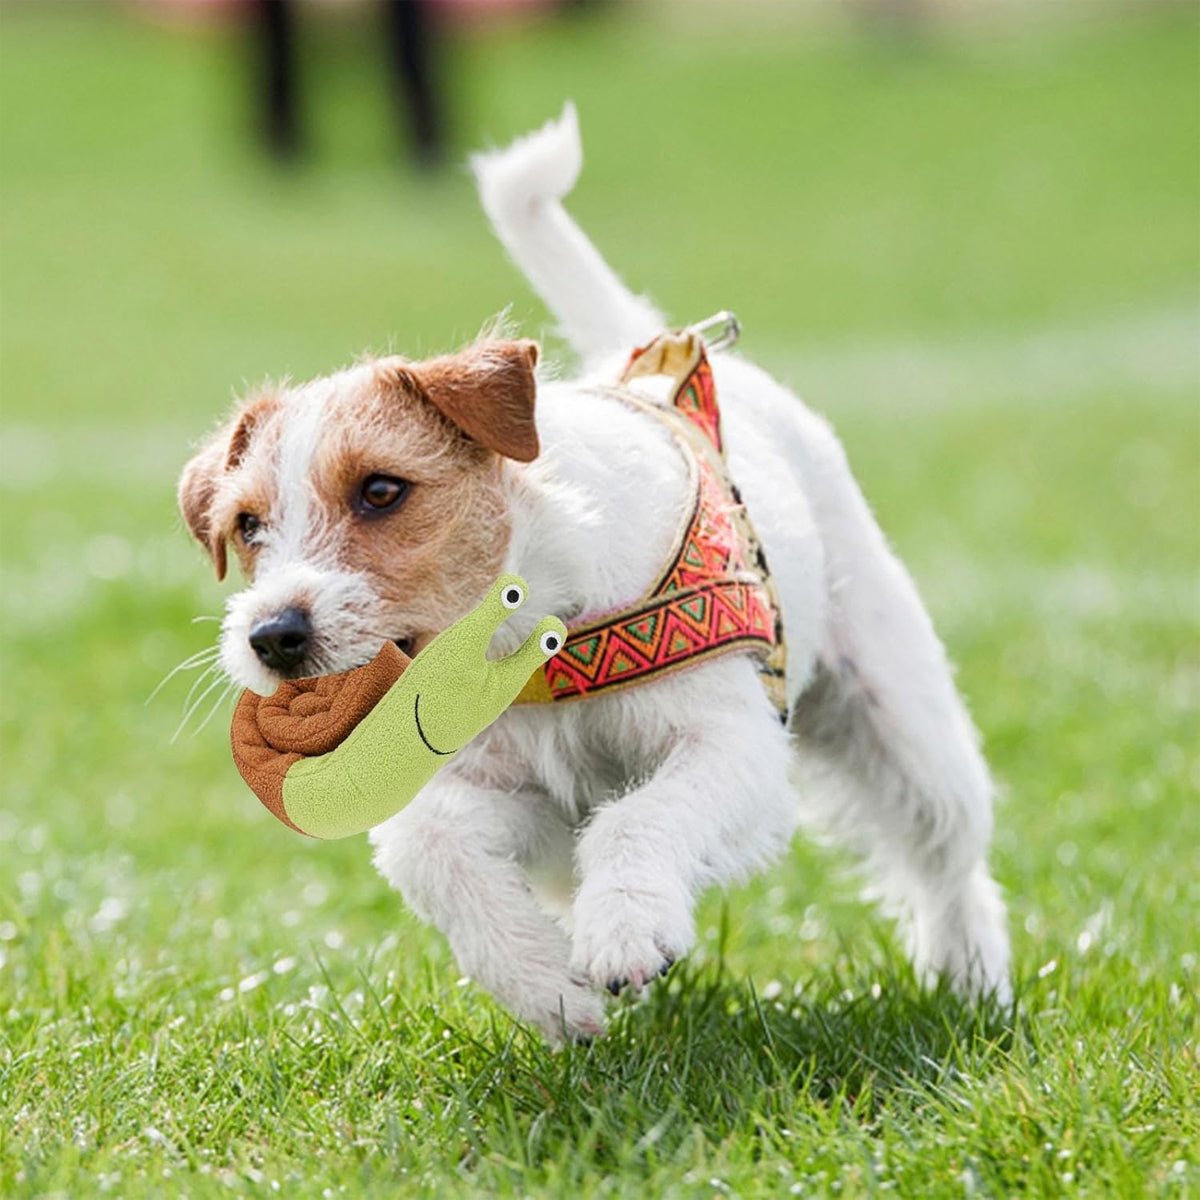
(295, 460)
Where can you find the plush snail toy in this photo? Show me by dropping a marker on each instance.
(334, 755)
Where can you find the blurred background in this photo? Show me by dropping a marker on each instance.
(968, 232)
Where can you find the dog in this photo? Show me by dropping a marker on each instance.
(562, 852)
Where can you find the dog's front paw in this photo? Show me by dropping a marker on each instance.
(563, 1009)
(626, 937)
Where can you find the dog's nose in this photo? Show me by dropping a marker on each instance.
(282, 642)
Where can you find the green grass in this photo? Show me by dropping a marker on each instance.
(978, 253)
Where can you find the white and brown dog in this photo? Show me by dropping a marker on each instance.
(562, 852)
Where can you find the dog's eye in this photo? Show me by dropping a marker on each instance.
(248, 525)
(382, 492)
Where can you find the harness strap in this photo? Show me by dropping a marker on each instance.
(715, 594)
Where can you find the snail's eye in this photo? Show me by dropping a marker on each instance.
(248, 526)
(550, 643)
(381, 493)
(513, 596)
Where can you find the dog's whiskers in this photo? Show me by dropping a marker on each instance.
(229, 690)
(204, 658)
(206, 675)
(219, 681)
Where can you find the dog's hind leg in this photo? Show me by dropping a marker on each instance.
(889, 761)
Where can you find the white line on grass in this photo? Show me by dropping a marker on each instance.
(1132, 353)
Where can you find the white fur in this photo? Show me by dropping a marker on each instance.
(642, 799)
(293, 532)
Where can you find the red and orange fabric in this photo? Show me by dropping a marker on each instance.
(715, 594)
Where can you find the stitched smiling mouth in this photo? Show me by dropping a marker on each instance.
(417, 718)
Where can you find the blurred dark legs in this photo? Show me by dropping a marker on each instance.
(275, 29)
(409, 43)
(897, 21)
(411, 54)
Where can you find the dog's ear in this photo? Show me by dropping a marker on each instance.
(488, 390)
(197, 487)
(221, 453)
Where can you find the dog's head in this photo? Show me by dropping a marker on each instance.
(362, 507)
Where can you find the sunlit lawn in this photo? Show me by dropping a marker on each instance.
(978, 253)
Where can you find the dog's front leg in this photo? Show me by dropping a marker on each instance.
(454, 855)
(718, 805)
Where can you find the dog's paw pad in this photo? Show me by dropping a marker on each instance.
(617, 986)
(628, 961)
(627, 938)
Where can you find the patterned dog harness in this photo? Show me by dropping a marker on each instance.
(716, 595)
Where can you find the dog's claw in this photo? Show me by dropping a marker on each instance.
(617, 986)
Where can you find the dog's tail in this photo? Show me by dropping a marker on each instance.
(521, 188)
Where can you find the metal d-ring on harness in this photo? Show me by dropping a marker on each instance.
(726, 331)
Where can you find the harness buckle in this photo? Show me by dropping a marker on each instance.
(725, 330)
